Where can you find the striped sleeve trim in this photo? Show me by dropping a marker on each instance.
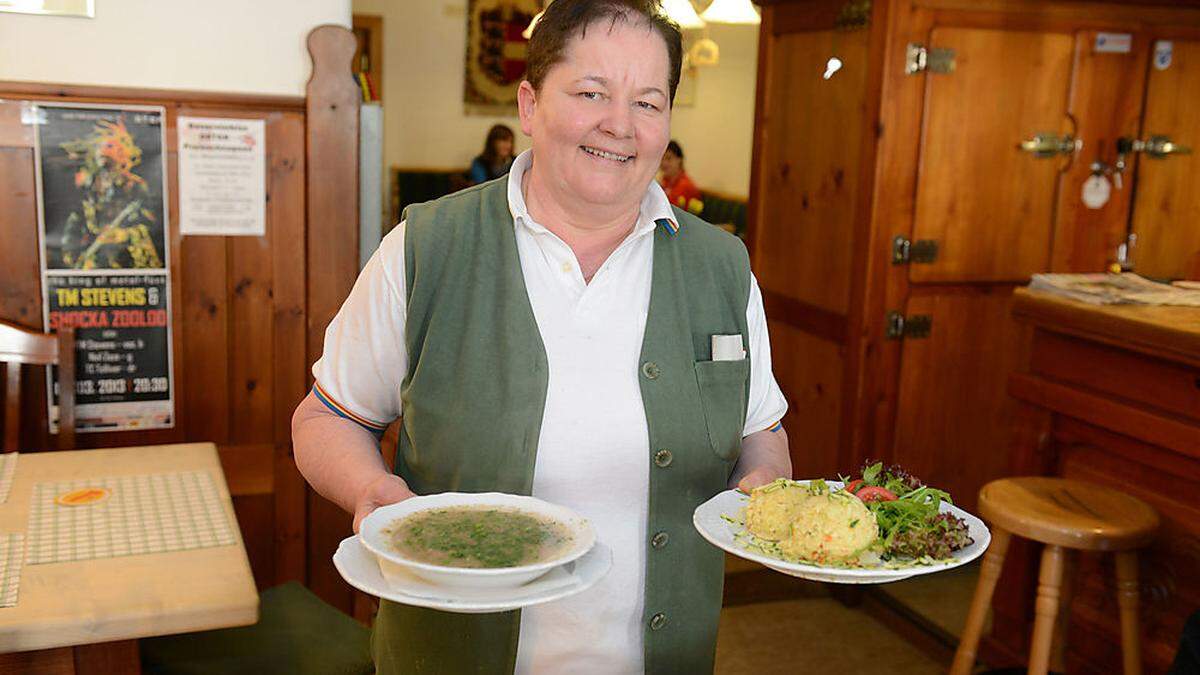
(778, 425)
(343, 411)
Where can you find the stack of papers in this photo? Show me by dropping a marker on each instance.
(1115, 289)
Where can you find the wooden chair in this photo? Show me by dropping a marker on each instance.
(1065, 516)
(19, 346)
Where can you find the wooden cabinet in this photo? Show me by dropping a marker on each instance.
(1113, 397)
(894, 208)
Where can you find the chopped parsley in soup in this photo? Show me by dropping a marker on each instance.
(478, 536)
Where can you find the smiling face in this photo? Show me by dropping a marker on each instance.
(601, 120)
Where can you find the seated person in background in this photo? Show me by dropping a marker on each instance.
(680, 189)
(497, 156)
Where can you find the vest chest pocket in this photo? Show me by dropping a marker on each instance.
(723, 393)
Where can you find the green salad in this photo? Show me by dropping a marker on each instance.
(812, 522)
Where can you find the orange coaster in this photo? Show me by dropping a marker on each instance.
(83, 496)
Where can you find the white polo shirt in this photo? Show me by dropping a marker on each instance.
(594, 443)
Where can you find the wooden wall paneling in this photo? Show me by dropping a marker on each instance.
(804, 240)
(57, 661)
(287, 208)
(809, 372)
(1106, 103)
(20, 292)
(988, 204)
(256, 519)
(332, 142)
(251, 382)
(1167, 205)
(202, 277)
(205, 354)
(955, 417)
(14, 133)
(119, 657)
(268, 345)
(50, 91)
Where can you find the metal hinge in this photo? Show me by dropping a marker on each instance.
(936, 60)
(922, 251)
(915, 326)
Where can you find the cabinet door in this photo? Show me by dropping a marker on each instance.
(810, 146)
(954, 416)
(1166, 212)
(988, 204)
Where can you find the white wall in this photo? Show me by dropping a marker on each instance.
(243, 46)
(717, 133)
(425, 125)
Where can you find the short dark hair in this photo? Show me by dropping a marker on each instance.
(674, 148)
(566, 19)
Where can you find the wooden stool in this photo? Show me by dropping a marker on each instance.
(1062, 514)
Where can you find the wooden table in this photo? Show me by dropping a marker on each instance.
(1111, 396)
(86, 616)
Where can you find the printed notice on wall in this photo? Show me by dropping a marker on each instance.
(102, 208)
(222, 176)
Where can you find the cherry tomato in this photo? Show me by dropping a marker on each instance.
(872, 494)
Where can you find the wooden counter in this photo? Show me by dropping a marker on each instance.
(1111, 395)
(127, 597)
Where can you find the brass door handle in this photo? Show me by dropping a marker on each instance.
(1156, 147)
(1049, 145)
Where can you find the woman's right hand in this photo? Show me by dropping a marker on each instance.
(387, 489)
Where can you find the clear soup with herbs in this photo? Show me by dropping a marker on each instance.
(478, 536)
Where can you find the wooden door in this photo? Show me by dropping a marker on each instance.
(807, 201)
(1166, 212)
(988, 204)
(803, 240)
(955, 415)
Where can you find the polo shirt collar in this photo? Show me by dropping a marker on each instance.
(655, 210)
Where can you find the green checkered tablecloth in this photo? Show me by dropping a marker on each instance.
(149, 513)
(12, 556)
(8, 467)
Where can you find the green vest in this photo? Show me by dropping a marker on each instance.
(475, 393)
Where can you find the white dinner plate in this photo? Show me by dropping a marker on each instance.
(360, 568)
(721, 533)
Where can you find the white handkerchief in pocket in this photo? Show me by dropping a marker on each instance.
(727, 348)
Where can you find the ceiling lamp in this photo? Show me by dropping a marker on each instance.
(731, 11)
(682, 13)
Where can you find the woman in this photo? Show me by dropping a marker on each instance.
(497, 156)
(680, 189)
(561, 321)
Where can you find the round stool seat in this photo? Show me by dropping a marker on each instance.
(1068, 513)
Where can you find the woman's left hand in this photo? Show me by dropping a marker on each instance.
(758, 477)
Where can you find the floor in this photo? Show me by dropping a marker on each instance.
(794, 628)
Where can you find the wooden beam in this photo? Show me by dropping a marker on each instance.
(76, 92)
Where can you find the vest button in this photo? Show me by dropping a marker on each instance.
(659, 540)
(658, 621)
(650, 370)
(663, 458)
